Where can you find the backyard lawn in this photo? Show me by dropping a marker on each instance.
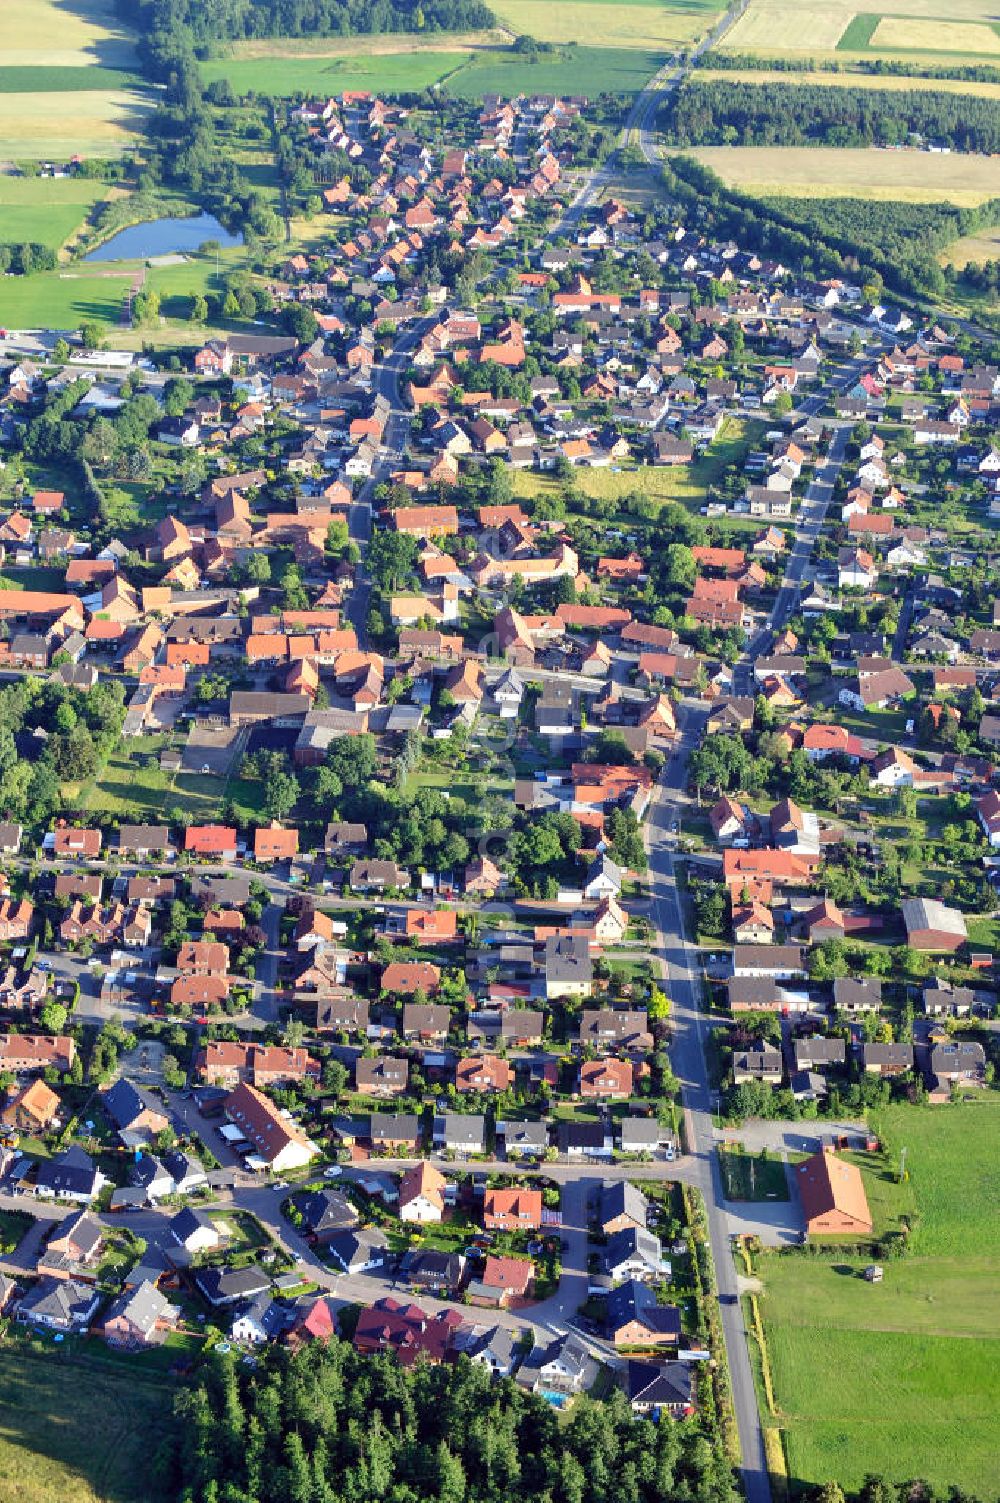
(900, 1378)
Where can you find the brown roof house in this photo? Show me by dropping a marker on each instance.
(421, 1194)
(833, 1196)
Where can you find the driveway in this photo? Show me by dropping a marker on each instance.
(791, 1137)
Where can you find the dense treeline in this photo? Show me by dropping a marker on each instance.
(717, 112)
(885, 67)
(327, 1425)
(984, 278)
(828, 237)
(26, 257)
(198, 28)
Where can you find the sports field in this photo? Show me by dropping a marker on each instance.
(965, 31)
(609, 23)
(45, 210)
(901, 1378)
(61, 299)
(855, 172)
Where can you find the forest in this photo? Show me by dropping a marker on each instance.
(738, 113)
(327, 1425)
(191, 25)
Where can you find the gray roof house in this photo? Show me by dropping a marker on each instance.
(227, 1286)
(633, 1254)
(641, 1135)
(523, 1138)
(359, 1251)
(460, 1132)
(569, 970)
(59, 1305)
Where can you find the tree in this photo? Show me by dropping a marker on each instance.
(281, 795)
(52, 1017)
(92, 335)
(293, 590)
(335, 1076)
(60, 351)
(177, 396)
(145, 308)
(198, 312)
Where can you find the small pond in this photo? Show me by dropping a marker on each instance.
(163, 237)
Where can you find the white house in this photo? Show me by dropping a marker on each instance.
(988, 814)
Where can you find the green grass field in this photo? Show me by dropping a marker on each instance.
(43, 209)
(62, 80)
(60, 299)
(70, 1434)
(901, 1378)
(402, 73)
(587, 69)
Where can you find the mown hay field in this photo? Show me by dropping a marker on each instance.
(63, 33)
(45, 127)
(972, 250)
(609, 23)
(855, 172)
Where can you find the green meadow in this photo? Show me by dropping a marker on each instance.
(901, 1378)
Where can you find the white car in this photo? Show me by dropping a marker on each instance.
(334, 1172)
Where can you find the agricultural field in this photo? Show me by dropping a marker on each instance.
(45, 210)
(569, 70)
(610, 23)
(891, 28)
(75, 1435)
(64, 34)
(854, 172)
(466, 74)
(54, 47)
(404, 72)
(40, 127)
(900, 1378)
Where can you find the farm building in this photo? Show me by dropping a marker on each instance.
(931, 925)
